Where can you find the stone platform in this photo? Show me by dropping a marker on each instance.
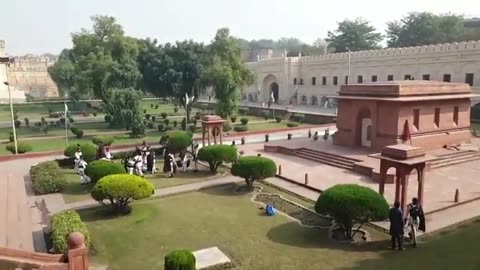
(210, 257)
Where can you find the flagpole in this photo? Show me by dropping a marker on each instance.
(66, 123)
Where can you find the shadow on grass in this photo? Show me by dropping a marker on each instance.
(231, 189)
(289, 234)
(99, 212)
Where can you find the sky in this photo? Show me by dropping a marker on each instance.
(44, 26)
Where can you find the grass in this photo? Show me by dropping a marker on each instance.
(220, 217)
(75, 192)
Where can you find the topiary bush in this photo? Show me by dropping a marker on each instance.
(266, 115)
(101, 168)
(175, 109)
(233, 118)
(161, 127)
(63, 224)
(240, 128)
(278, 119)
(17, 123)
(150, 125)
(227, 126)
(298, 117)
(216, 155)
(166, 121)
(349, 204)
(244, 121)
(175, 123)
(177, 141)
(108, 118)
(292, 124)
(180, 260)
(11, 138)
(103, 140)
(147, 116)
(119, 190)
(254, 168)
(22, 147)
(47, 178)
(154, 118)
(89, 151)
(77, 132)
(164, 115)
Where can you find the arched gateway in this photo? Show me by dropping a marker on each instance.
(270, 87)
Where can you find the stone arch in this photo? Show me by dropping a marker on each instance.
(270, 83)
(314, 101)
(304, 100)
(250, 98)
(362, 129)
(274, 91)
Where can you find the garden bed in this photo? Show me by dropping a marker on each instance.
(296, 211)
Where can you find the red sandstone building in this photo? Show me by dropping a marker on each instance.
(426, 114)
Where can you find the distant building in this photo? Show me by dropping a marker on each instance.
(17, 96)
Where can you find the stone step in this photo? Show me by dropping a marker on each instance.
(455, 161)
(329, 155)
(455, 154)
(331, 161)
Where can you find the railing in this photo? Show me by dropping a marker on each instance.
(75, 259)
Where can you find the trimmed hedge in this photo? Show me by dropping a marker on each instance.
(292, 124)
(103, 140)
(101, 168)
(244, 121)
(89, 151)
(351, 203)
(298, 117)
(253, 168)
(216, 155)
(108, 118)
(278, 119)
(240, 128)
(177, 141)
(47, 178)
(63, 224)
(180, 260)
(120, 190)
(21, 147)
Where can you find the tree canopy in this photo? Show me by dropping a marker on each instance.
(354, 35)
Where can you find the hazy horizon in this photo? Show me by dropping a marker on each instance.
(45, 26)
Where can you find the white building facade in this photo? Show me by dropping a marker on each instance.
(308, 80)
(17, 96)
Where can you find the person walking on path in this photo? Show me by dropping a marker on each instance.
(396, 226)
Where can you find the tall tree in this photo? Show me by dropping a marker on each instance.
(425, 28)
(227, 73)
(354, 35)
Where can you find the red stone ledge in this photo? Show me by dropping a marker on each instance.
(122, 147)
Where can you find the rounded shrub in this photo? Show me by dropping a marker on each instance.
(253, 168)
(164, 115)
(150, 125)
(240, 128)
(154, 118)
(63, 224)
(108, 118)
(89, 151)
(244, 121)
(349, 204)
(101, 168)
(22, 147)
(175, 123)
(77, 132)
(292, 124)
(266, 115)
(120, 190)
(278, 119)
(147, 116)
(227, 126)
(175, 109)
(47, 178)
(180, 260)
(233, 118)
(103, 140)
(166, 121)
(177, 141)
(17, 123)
(218, 154)
(161, 127)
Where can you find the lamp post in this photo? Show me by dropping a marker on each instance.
(11, 114)
(349, 65)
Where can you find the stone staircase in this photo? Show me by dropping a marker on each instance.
(453, 159)
(327, 158)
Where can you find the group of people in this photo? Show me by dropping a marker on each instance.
(171, 164)
(413, 220)
(141, 162)
(80, 166)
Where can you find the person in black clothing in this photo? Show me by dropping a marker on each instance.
(396, 226)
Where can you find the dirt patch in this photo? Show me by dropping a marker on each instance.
(306, 216)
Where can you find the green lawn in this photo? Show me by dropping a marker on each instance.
(75, 192)
(220, 217)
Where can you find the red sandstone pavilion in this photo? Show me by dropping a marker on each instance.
(425, 114)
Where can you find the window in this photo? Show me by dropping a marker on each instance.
(335, 80)
(324, 80)
(426, 77)
(294, 81)
(360, 79)
(447, 77)
(314, 80)
(301, 81)
(416, 118)
(390, 78)
(455, 115)
(437, 117)
(407, 77)
(346, 79)
(374, 78)
(469, 78)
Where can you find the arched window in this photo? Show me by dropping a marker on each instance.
(314, 101)
(250, 98)
(294, 81)
(301, 81)
(304, 100)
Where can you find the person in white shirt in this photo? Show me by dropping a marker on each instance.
(138, 163)
(78, 156)
(82, 165)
